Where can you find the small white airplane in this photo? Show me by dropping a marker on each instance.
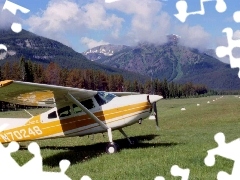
(74, 111)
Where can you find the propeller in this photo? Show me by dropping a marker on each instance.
(154, 105)
(154, 112)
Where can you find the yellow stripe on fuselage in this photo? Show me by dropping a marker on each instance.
(34, 129)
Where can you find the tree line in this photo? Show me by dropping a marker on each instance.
(26, 70)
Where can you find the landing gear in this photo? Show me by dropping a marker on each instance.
(140, 121)
(112, 148)
(132, 141)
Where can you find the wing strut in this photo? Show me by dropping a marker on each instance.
(91, 115)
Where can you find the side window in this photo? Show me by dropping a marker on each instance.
(88, 103)
(76, 109)
(65, 111)
(52, 115)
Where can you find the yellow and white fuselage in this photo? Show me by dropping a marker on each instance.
(94, 112)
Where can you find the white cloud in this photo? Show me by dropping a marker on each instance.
(95, 17)
(236, 34)
(64, 17)
(57, 17)
(143, 8)
(148, 22)
(91, 43)
(194, 37)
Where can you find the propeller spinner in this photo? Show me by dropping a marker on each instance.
(152, 99)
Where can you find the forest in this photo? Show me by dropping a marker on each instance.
(26, 70)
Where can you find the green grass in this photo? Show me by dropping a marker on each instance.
(184, 139)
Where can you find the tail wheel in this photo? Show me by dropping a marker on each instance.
(112, 148)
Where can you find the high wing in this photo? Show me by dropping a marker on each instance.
(34, 94)
(124, 93)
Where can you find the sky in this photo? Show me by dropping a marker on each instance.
(84, 24)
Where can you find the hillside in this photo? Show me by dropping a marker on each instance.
(175, 63)
(43, 50)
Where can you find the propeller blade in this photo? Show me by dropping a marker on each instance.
(156, 114)
(154, 110)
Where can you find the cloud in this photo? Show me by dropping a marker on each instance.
(64, 17)
(91, 43)
(148, 22)
(236, 35)
(194, 37)
(123, 21)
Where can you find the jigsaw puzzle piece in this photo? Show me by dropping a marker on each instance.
(221, 6)
(227, 150)
(85, 178)
(12, 7)
(177, 171)
(222, 51)
(6, 159)
(182, 7)
(223, 176)
(3, 47)
(35, 164)
(236, 16)
(159, 178)
(64, 165)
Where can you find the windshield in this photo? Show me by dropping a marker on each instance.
(104, 97)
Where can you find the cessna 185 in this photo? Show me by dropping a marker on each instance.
(74, 111)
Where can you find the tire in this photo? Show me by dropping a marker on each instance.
(112, 148)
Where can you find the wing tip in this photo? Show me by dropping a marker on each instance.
(5, 83)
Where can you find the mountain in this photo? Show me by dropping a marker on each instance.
(103, 51)
(43, 50)
(175, 63)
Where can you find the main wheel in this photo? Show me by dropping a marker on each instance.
(112, 148)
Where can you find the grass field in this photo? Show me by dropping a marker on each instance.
(184, 139)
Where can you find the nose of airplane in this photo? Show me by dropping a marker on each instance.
(154, 98)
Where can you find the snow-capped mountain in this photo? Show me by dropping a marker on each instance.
(103, 51)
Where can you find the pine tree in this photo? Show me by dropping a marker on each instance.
(1, 78)
(75, 79)
(63, 76)
(52, 74)
(6, 71)
(165, 90)
(22, 68)
(38, 73)
(111, 83)
(16, 75)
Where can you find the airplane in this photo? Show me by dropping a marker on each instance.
(73, 112)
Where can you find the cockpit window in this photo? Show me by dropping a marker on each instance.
(52, 115)
(65, 111)
(88, 103)
(104, 97)
(76, 109)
